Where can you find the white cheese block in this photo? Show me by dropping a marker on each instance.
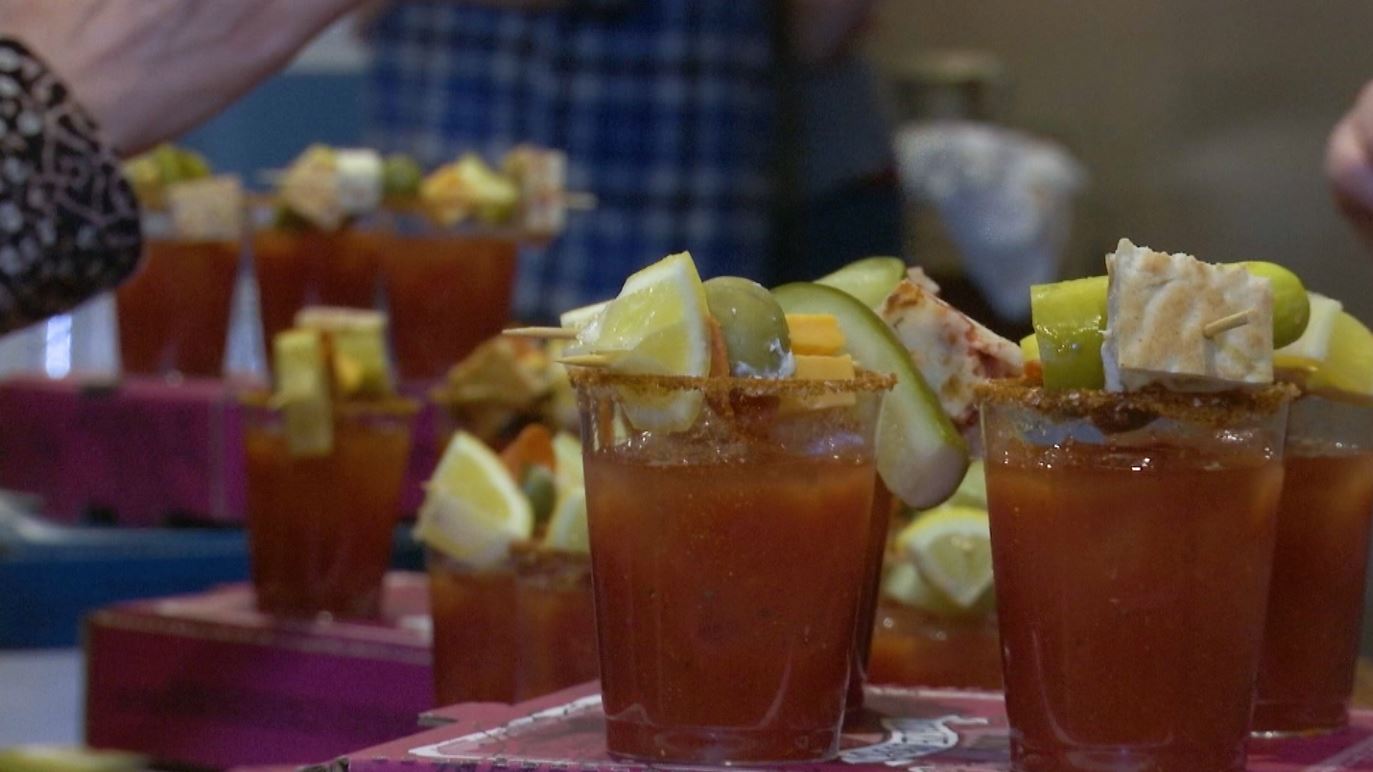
(1314, 343)
(952, 351)
(1158, 306)
(359, 180)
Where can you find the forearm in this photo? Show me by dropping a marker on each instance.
(182, 60)
(69, 223)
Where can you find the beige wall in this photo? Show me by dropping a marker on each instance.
(1202, 122)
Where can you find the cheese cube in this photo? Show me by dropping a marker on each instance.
(815, 334)
(952, 351)
(207, 209)
(822, 368)
(358, 180)
(1157, 307)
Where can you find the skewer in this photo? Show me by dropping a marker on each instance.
(584, 360)
(1229, 322)
(547, 333)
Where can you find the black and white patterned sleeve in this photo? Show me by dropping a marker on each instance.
(69, 222)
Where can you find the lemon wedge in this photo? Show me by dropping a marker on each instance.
(657, 325)
(904, 585)
(567, 456)
(951, 547)
(473, 509)
(567, 530)
(1348, 365)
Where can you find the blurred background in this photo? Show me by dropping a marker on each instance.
(1182, 126)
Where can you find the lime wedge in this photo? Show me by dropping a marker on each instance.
(870, 280)
(920, 456)
(1348, 365)
(473, 510)
(657, 325)
(567, 531)
(951, 548)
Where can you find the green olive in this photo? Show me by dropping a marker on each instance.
(753, 325)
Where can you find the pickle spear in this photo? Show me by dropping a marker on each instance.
(870, 279)
(1070, 316)
(920, 456)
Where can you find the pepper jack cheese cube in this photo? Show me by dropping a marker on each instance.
(358, 180)
(303, 392)
(207, 209)
(1157, 306)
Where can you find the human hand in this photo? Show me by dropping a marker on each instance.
(1349, 163)
(148, 70)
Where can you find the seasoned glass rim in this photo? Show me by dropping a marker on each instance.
(592, 378)
(1211, 408)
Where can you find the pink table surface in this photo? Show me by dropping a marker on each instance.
(912, 729)
(143, 448)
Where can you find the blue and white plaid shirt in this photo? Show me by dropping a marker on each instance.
(666, 109)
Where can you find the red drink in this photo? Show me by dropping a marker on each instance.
(728, 569)
(174, 313)
(556, 623)
(1315, 604)
(867, 603)
(298, 268)
(320, 528)
(475, 635)
(1132, 555)
(911, 647)
(446, 294)
(512, 632)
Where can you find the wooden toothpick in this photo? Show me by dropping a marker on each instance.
(584, 360)
(547, 333)
(1229, 322)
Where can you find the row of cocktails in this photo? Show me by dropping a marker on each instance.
(445, 291)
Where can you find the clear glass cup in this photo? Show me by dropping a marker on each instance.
(320, 528)
(447, 290)
(1315, 602)
(511, 632)
(913, 647)
(1132, 541)
(728, 563)
(299, 267)
(878, 530)
(173, 314)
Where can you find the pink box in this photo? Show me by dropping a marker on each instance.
(205, 680)
(144, 448)
(913, 729)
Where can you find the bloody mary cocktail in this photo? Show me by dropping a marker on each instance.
(512, 632)
(320, 527)
(1132, 537)
(475, 634)
(867, 603)
(1315, 603)
(728, 564)
(912, 647)
(446, 291)
(174, 313)
(303, 267)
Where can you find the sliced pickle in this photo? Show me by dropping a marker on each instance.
(870, 279)
(1069, 317)
(753, 325)
(920, 455)
(1291, 306)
